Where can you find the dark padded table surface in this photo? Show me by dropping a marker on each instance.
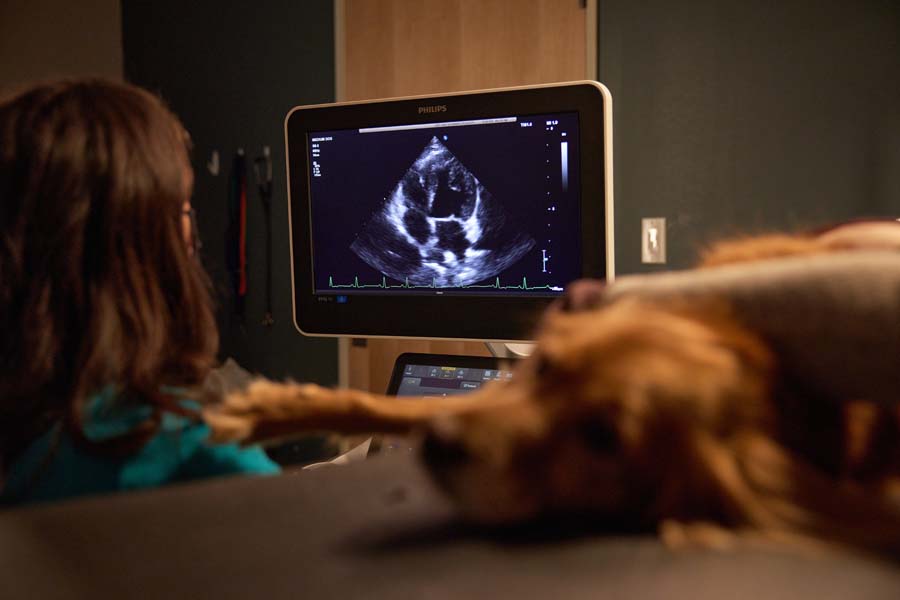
(375, 529)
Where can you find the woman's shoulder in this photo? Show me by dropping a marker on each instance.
(55, 467)
(181, 451)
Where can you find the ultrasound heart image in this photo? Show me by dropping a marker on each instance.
(440, 227)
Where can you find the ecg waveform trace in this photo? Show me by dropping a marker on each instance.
(407, 286)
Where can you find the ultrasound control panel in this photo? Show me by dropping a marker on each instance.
(434, 375)
(446, 380)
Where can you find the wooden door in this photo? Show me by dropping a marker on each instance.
(390, 48)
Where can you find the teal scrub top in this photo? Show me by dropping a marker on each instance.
(52, 467)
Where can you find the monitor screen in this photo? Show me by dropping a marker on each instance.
(456, 216)
(468, 207)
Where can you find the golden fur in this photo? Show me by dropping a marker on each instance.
(669, 418)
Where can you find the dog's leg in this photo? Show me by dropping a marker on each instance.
(679, 535)
(710, 536)
(267, 410)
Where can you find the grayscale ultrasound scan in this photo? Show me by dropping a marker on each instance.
(478, 208)
(440, 227)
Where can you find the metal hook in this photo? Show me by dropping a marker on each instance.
(263, 178)
(213, 163)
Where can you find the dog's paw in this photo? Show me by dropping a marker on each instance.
(244, 414)
(698, 535)
(226, 428)
(268, 398)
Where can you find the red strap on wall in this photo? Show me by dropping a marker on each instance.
(242, 238)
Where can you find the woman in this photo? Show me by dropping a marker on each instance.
(106, 319)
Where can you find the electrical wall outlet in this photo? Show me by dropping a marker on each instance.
(653, 240)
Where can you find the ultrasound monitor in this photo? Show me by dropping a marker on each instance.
(454, 216)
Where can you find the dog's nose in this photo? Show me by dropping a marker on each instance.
(442, 446)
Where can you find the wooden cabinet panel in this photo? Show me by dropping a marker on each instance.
(406, 47)
(390, 48)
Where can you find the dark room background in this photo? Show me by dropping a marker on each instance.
(734, 117)
(231, 71)
(730, 117)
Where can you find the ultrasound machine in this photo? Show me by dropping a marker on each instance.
(458, 216)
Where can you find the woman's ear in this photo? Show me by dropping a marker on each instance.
(187, 226)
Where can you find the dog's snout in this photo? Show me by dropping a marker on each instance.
(443, 446)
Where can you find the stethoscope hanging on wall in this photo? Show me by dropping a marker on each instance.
(262, 167)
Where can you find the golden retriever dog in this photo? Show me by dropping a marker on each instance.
(755, 397)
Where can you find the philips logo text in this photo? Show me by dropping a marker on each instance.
(438, 108)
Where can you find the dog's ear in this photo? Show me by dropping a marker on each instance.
(563, 340)
(584, 294)
(698, 477)
(632, 350)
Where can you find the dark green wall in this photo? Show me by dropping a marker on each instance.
(231, 71)
(735, 116)
(730, 117)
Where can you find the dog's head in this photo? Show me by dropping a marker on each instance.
(604, 418)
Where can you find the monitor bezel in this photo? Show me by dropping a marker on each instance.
(447, 317)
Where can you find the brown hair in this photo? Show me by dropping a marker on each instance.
(97, 286)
